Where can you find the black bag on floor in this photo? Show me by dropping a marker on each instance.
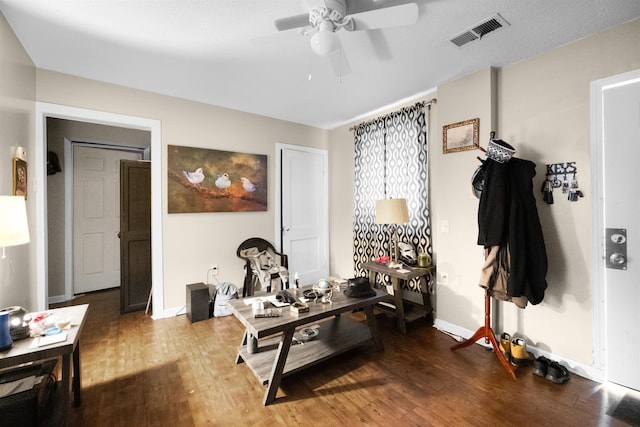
(359, 287)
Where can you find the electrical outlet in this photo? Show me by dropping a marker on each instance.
(214, 269)
(444, 278)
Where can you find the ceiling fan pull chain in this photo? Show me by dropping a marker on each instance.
(340, 74)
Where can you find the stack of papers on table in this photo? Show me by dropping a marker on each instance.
(49, 339)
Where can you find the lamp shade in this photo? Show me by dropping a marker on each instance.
(14, 228)
(392, 211)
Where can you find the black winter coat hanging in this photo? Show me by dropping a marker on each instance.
(508, 217)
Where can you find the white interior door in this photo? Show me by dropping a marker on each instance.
(620, 133)
(96, 217)
(304, 200)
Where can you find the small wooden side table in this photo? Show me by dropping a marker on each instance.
(25, 351)
(396, 276)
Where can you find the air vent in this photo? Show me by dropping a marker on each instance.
(479, 30)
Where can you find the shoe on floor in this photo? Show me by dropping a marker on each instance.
(519, 354)
(557, 373)
(541, 366)
(505, 345)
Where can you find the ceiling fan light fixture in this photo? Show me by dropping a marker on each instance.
(325, 41)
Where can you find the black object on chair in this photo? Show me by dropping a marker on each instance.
(261, 245)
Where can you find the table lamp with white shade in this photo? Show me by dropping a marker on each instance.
(393, 212)
(14, 231)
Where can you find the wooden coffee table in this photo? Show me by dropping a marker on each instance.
(267, 348)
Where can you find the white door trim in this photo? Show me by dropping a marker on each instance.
(45, 110)
(68, 201)
(280, 147)
(598, 222)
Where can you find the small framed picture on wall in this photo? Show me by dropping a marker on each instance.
(460, 136)
(19, 177)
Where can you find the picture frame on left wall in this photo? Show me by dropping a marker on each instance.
(19, 177)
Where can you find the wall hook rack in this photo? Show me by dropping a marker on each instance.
(564, 176)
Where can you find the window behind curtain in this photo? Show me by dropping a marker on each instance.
(391, 162)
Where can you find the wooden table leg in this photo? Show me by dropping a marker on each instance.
(77, 388)
(65, 392)
(242, 343)
(252, 343)
(373, 327)
(397, 300)
(426, 297)
(278, 366)
(372, 278)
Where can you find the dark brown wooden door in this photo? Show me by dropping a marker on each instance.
(135, 234)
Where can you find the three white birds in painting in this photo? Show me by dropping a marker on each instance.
(223, 182)
(194, 177)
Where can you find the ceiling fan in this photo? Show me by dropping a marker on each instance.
(326, 17)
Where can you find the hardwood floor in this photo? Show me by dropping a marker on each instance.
(169, 372)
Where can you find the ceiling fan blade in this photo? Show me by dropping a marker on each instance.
(340, 63)
(308, 4)
(291, 22)
(395, 16)
(358, 6)
(277, 38)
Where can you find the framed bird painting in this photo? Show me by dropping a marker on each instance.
(205, 180)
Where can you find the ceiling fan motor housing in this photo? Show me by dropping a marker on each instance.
(326, 17)
(330, 10)
(337, 9)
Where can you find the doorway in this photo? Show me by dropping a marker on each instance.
(96, 215)
(46, 110)
(302, 210)
(615, 151)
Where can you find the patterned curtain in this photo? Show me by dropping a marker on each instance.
(391, 162)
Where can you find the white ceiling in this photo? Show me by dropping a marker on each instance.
(202, 49)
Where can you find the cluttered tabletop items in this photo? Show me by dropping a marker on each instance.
(37, 330)
(322, 291)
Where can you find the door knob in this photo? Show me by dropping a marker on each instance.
(617, 258)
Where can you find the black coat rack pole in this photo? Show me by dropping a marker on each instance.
(487, 333)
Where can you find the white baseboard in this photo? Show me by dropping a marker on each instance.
(58, 299)
(170, 312)
(586, 371)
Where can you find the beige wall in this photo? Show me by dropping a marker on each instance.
(544, 109)
(540, 106)
(192, 242)
(454, 207)
(17, 94)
